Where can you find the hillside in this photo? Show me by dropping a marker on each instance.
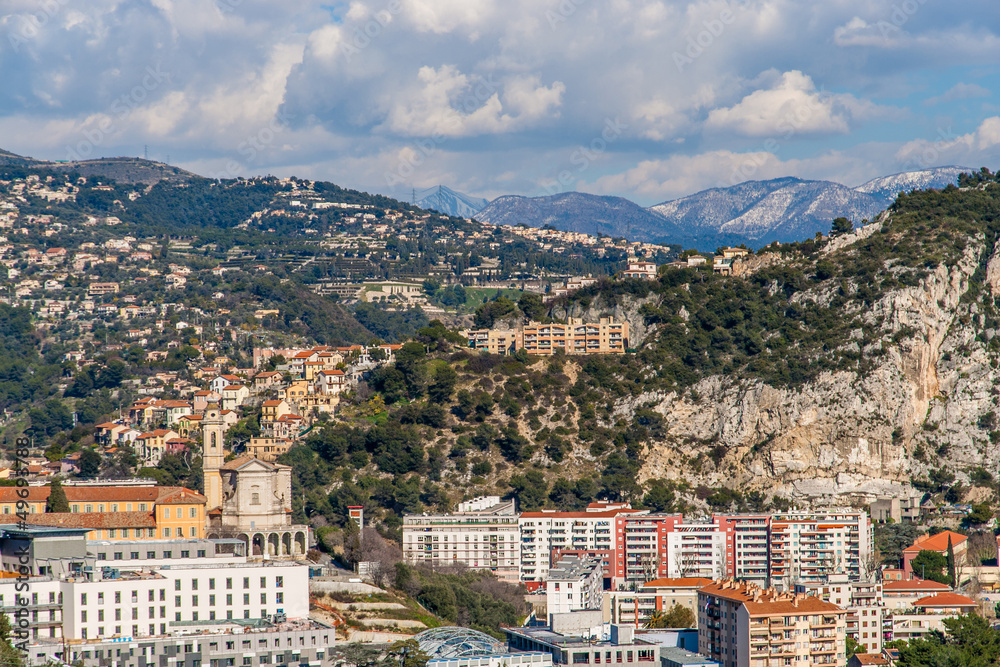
(122, 169)
(575, 212)
(827, 373)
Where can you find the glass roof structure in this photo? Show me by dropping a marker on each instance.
(455, 642)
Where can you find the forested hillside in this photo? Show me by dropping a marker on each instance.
(833, 370)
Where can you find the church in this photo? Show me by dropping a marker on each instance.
(249, 499)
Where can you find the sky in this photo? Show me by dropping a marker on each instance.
(645, 99)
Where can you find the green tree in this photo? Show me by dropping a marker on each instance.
(968, 641)
(841, 226)
(443, 385)
(10, 656)
(57, 501)
(677, 616)
(853, 647)
(531, 305)
(90, 464)
(950, 558)
(407, 653)
(932, 566)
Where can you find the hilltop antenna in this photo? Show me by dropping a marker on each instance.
(413, 196)
(145, 152)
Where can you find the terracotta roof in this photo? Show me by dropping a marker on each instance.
(94, 520)
(241, 461)
(678, 582)
(270, 404)
(870, 659)
(945, 600)
(182, 496)
(232, 387)
(937, 542)
(768, 602)
(916, 585)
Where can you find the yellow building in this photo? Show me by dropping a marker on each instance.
(607, 336)
(115, 512)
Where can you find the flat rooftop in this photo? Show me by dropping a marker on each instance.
(547, 636)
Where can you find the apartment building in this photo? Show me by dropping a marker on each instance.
(574, 584)
(545, 531)
(140, 591)
(483, 534)
(863, 602)
(744, 625)
(607, 336)
(577, 337)
(747, 539)
(697, 550)
(640, 270)
(809, 546)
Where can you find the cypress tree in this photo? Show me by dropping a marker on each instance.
(57, 501)
(951, 563)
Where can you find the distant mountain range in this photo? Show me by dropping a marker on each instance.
(755, 212)
(447, 201)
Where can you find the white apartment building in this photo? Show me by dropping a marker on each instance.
(697, 550)
(545, 531)
(574, 584)
(483, 534)
(87, 599)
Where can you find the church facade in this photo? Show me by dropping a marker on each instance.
(249, 499)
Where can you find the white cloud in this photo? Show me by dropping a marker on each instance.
(791, 106)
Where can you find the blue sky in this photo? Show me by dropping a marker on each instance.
(646, 99)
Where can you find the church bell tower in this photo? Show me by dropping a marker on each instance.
(212, 429)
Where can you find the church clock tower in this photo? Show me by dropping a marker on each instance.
(212, 429)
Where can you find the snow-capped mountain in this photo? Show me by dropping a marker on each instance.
(755, 212)
(888, 187)
(445, 200)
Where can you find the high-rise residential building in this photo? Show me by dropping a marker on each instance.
(606, 336)
(483, 534)
(744, 625)
(546, 531)
(808, 546)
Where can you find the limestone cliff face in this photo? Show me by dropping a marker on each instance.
(848, 435)
(626, 309)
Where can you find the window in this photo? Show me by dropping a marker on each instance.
(279, 598)
(102, 556)
(150, 555)
(246, 582)
(177, 616)
(135, 596)
(229, 598)
(229, 583)
(166, 512)
(246, 598)
(192, 513)
(194, 600)
(177, 600)
(263, 582)
(211, 600)
(134, 555)
(166, 532)
(201, 553)
(194, 616)
(168, 554)
(142, 507)
(89, 508)
(192, 531)
(118, 614)
(163, 595)
(152, 614)
(83, 616)
(180, 532)
(263, 598)
(255, 499)
(150, 532)
(177, 584)
(152, 595)
(279, 582)
(83, 598)
(163, 612)
(135, 614)
(118, 597)
(194, 582)
(185, 554)
(111, 533)
(211, 584)
(246, 613)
